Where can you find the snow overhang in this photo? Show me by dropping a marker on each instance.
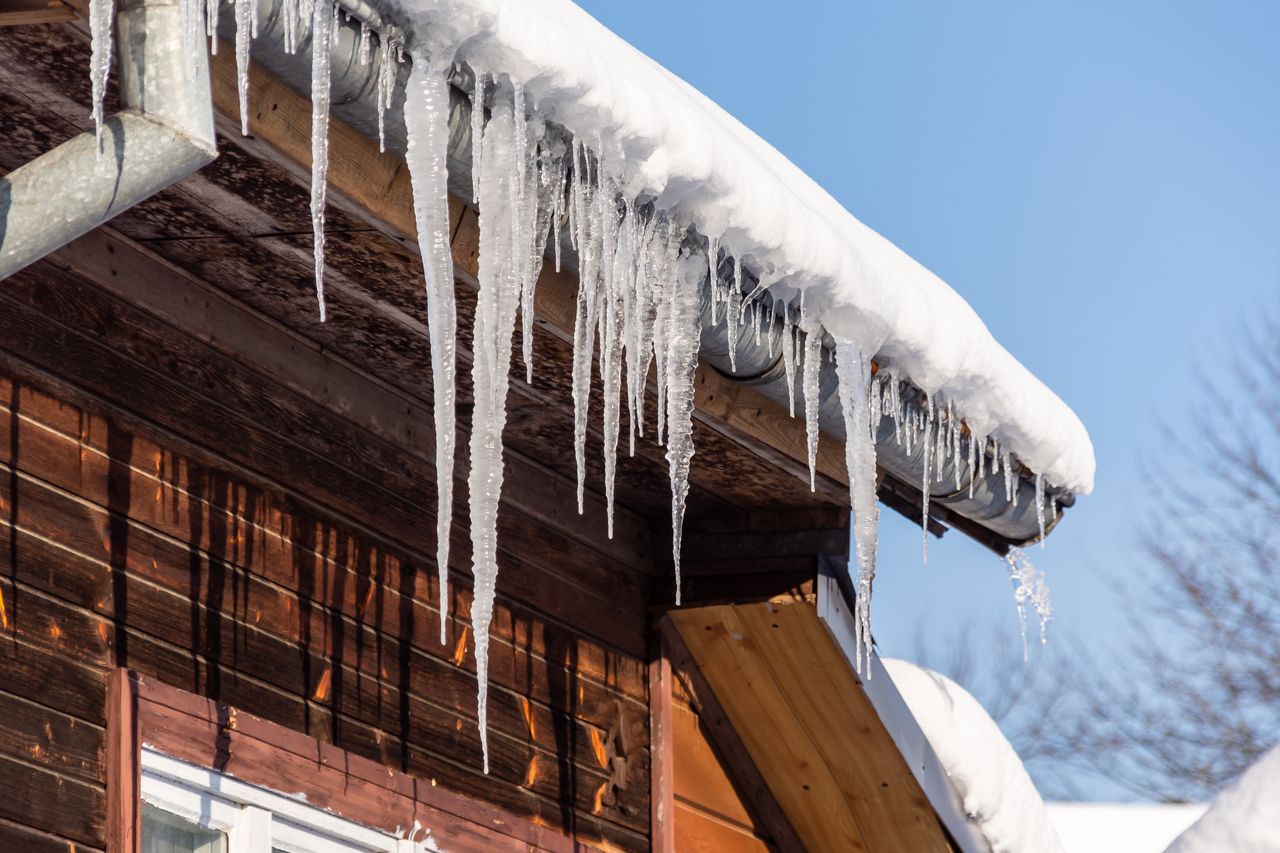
(664, 141)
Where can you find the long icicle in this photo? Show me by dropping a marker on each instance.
(584, 329)
(925, 485)
(321, 42)
(682, 339)
(853, 368)
(426, 118)
(809, 382)
(495, 318)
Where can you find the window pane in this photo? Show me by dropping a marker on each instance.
(163, 832)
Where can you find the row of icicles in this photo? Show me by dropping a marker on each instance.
(638, 306)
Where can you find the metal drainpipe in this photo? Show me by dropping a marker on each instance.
(162, 134)
(353, 100)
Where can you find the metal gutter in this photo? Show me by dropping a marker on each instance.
(988, 516)
(163, 133)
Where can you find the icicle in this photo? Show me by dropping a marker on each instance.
(386, 84)
(557, 208)
(322, 36)
(666, 254)
(733, 310)
(290, 14)
(955, 452)
(637, 342)
(1040, 506)
(682, 364)
(364, 54)
(613, 262)
(810, 377)
(588, 241)
(713, 273)
(426, 117)
(495, 316)
(973, 460)
(853, 368)
(940, 449)
(1029, 586)
(101, 15)
(211, 24)
(1010, 488)
(789, 359)
(246, 23)
(926, 485)
(477, 131)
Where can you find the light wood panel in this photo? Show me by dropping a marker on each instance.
(801, 712)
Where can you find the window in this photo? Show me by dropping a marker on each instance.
(191, 809)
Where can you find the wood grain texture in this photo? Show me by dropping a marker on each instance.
(733, 786)
(662, 748)
(123, 764)
(802, 716)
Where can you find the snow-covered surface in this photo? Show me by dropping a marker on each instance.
(996, 791)
(661, 138)
(1243, 818)
(1121, 827)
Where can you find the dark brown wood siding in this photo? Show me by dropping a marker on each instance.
(183, 512)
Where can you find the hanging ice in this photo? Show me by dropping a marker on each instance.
(1040, 506)
(682, 339)
(789, 332)
(613, 266)
(809, 381)
(584, 329)
(853, 369)
(925, 484)
(733, 313)
(495, 316)
(477, 131)
(426, 118)
(322, 36)
(1029, 586)
(246, 12)
(386, 83)
(101, 15)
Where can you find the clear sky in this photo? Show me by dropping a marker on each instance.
(1101, 180)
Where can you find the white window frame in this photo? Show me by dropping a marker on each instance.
(257, 820)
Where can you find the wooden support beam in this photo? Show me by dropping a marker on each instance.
(662, 838)
(123, 764)
(727, 742)
(790, 694)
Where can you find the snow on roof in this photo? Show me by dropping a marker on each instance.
(1243, 818)
(1121, 827)
(998, 795)
(662, 139)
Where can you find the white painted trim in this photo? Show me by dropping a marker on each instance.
(897, 719)
(256, 819)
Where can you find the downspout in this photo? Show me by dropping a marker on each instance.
(163, 133)
(987, 516)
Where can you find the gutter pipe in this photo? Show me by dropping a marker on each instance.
(163, 133)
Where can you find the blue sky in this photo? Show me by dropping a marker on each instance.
(1100, 180)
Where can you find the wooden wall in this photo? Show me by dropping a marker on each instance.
(182, 511)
